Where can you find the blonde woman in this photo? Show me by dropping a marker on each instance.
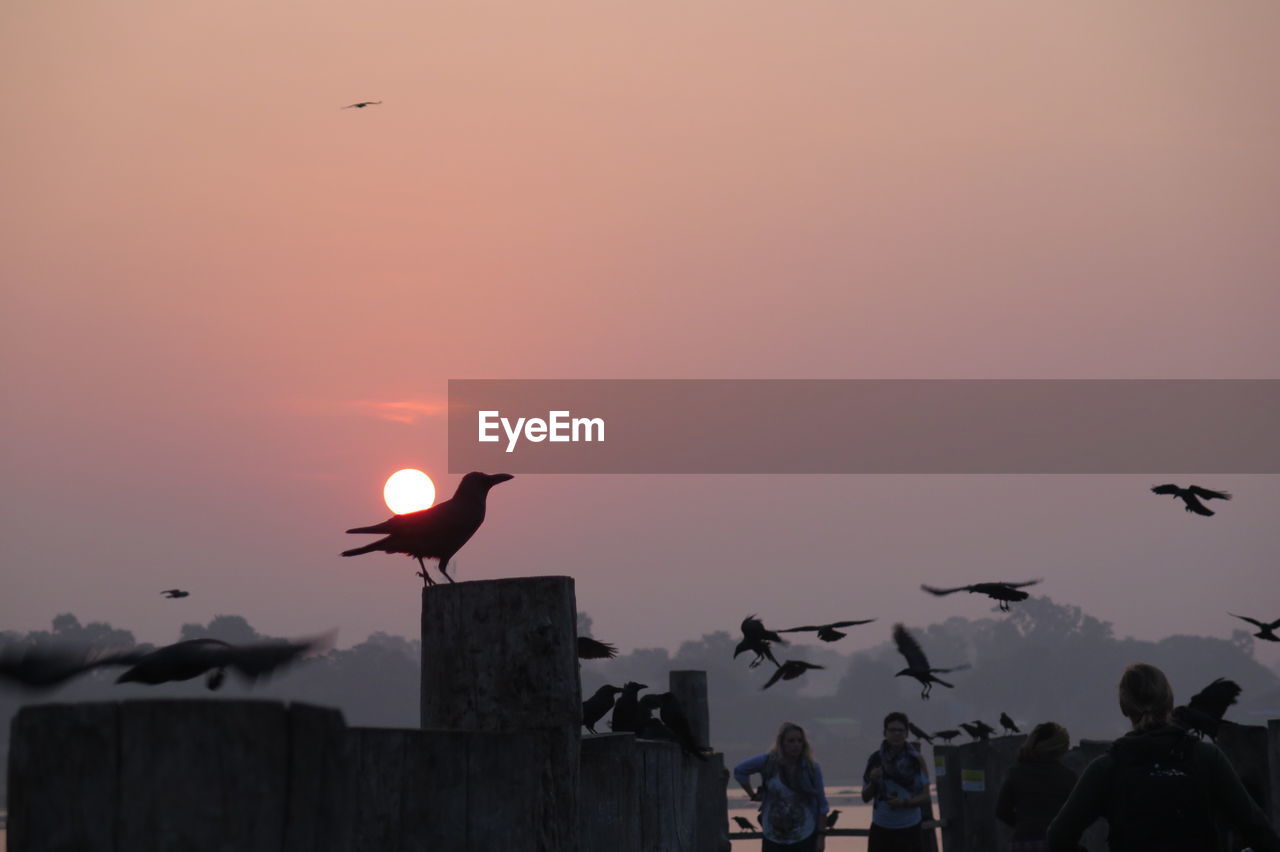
(793, 804)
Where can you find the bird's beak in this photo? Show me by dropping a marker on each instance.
(495, 478)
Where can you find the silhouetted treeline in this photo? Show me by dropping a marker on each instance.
(1041, 661)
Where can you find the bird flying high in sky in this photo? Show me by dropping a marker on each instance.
(1189, 496)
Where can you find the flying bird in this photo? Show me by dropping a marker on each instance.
(600, 702)
(194, 657)
(362, 105)
(1007, 724)
(828, 632)
(48, 665)
(1203, 714)
(1189, 496)
(919, 734)
(174, 593)
(438, 532)
(917, 664)
(1267, 631)
(626, 709)
(594, 649)
(790, 670)
(1000, 591)
(756, 639)
(744, 823)
(832, 817)
(947, 736)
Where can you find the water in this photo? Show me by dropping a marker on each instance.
(853, 814)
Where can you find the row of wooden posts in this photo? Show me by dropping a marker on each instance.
(498, 763)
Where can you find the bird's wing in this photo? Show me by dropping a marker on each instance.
(1020, 585)
(850, 623)
(800, 629)
(909, 648)
(594, 649)
(1254, 621)
(1215, 698)
(1206, 494)
(958, 668)
(936, 591)
(777, 676)
(1167, 488)
(260, 659)
(1196, 506)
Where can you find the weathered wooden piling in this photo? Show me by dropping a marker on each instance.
(706, 779)
(667, 815)
(196, 775)
(946, 774)
(500, 657)
(609, 794)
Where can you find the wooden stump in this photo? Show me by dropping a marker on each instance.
(609, 794)
(500, 657)
(690, 689)
(946, 773)
(666, 813)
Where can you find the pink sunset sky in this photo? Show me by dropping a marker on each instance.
(231, 308)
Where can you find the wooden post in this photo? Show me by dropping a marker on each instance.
(690, 689)
(322, 781)
(707, 783)
(1273, 769)
(609, 794)
(64, 776)
(666, 819)
(500, 656)
(946, 773)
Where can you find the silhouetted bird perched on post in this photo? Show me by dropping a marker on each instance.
(1203, 714)
(174, 593)
(1267, 631)
(832, 817)
(790, 670)
(947, 736)
(917, 663)
(600, 702)
(984, 730)
(756, 639)
(919, 734)
(744, 823)
(438, 532)
(1007, 724)
(828, 632)
(1003, 592)
(626, 709)
(362, 105)
(194, 657)
(594, 649)
(1189, 494)
(649, 728)
(973, 732)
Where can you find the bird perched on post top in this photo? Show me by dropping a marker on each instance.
(438, 532)
(1006, 722)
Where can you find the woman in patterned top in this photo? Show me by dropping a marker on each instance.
(793, 804)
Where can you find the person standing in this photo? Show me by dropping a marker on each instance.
(1158, 787)
(1036, 787)
(793, 803)
(895, 778)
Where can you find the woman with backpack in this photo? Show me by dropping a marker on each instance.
(793, 803)
(1036, 787)
(1159, 788)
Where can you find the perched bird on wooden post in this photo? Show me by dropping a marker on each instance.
(1202, 715)
(673, 716)
(744, 823)
(626, 709)
(1267, 631)
(917, 663)
(600, 702)
(438, 532)
(947, 736)
(975, 733)
(984, 730)
(832, 817)
(1007, 724)
(1002, 592)
(828, 632)
(919, 734)
(1189, 494)
(174, 593)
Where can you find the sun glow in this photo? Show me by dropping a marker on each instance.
(409, 490)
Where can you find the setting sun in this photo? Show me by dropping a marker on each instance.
(409, 490)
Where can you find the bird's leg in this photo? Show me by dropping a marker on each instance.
(426, 578)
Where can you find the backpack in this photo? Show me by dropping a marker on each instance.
(1156, 802)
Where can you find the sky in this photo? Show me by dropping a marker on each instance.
(231, 307)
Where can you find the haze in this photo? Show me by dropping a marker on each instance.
(231, 307)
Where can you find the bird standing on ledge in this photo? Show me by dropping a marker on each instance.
(438, 532)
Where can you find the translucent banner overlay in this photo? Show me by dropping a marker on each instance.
(865, 426)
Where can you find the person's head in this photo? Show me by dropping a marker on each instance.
(792, 744)
(1048, 741)
(1145, 696)
(895, 728)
